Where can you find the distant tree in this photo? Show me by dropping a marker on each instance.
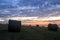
(37, 25)
(53, 27)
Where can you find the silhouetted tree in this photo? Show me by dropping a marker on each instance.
(37, 25)
(53, 27)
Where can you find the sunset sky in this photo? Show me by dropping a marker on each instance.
(30, 11)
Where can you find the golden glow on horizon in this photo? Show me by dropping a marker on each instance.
(35, 20)
(40, 23)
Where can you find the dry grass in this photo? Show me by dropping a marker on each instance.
(29, 33)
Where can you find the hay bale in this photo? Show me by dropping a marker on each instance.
(14, 26)
(53, 27)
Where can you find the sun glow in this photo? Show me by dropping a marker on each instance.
(41, 23)
(36, 20)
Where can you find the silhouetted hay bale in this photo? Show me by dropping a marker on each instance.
(14, 26)
(53, 27)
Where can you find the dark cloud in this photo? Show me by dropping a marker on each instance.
(29, 8)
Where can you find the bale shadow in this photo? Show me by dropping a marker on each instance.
(3, 31)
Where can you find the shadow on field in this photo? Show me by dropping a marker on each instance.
(30, 33)
(3, 31)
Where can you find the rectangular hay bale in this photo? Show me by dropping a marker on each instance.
(14, 26)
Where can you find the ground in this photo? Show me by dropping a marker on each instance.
(29, 33)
